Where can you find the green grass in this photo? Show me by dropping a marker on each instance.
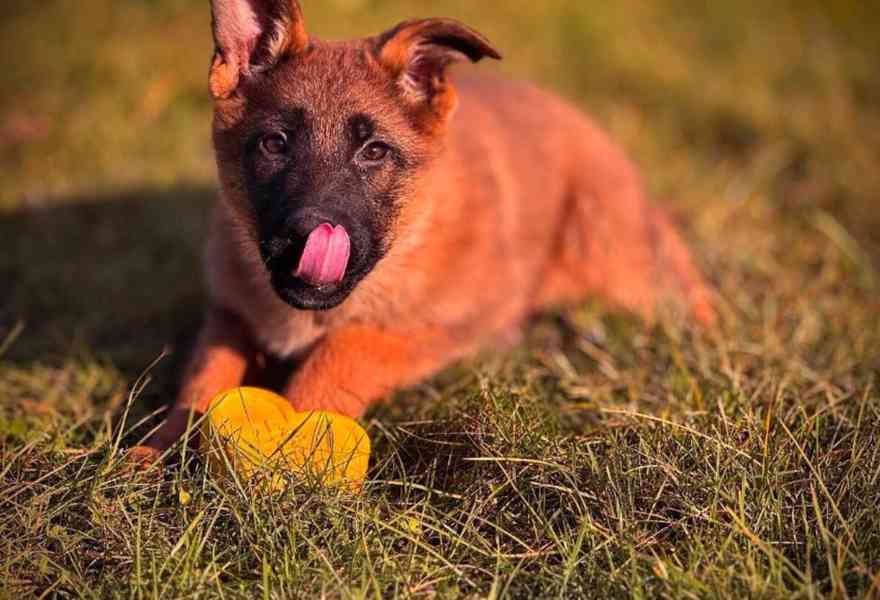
(598, 459)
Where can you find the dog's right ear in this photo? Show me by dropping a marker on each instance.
(250, 36)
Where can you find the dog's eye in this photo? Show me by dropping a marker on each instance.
(274, 143)
(375, 152)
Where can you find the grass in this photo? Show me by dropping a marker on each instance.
(598, 459)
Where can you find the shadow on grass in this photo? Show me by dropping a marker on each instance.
(114, 279)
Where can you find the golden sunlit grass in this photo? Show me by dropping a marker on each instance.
(597, 459)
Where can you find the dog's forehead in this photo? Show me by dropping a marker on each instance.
(333, 82)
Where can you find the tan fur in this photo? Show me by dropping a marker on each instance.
(487, 236)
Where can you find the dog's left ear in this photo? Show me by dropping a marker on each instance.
(418, 53)
(250, 36)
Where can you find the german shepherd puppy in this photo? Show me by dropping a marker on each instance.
(378, 221)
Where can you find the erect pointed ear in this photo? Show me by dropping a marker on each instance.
(250, 36)
(418, 53)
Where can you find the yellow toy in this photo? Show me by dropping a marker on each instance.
(257, 432)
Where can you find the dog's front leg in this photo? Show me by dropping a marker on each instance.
(358, 365)
(219, 362)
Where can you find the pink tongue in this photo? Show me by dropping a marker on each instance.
(325, 256)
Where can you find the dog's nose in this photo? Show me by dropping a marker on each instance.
(304, 221)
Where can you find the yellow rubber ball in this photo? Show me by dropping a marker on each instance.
(258, 435)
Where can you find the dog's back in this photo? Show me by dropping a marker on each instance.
(533, 205)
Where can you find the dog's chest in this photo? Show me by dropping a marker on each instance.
(287, 335)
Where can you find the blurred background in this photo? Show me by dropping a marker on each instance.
(106, 95)
(757, 123)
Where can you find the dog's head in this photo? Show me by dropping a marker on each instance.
(319, 145)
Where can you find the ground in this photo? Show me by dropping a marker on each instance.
(600, 458)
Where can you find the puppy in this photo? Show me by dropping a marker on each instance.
(378, 221)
